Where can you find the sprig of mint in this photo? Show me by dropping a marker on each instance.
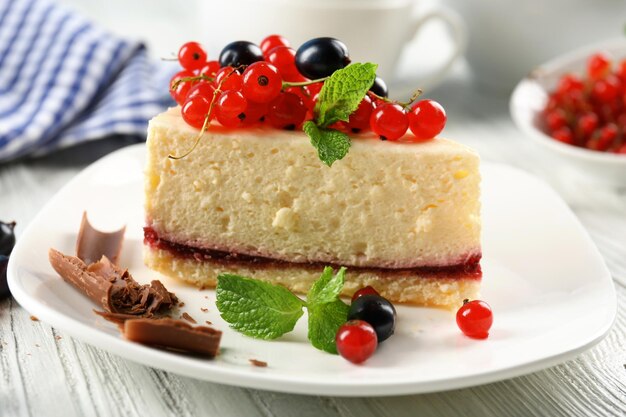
(339, 97)
(266, 311)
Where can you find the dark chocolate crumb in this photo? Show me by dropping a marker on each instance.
(187, 317)
(33, 318)
(206, 296)
(181, 304)
(58, 337)
(208, 322)
(256, 362)
(204, 310)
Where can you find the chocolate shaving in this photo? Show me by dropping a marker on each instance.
(174, 334)
(256, 362)
(187, 317)
(92, 244)
(112, 287)
(118, 318)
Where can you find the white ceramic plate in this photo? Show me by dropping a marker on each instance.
(551, 294)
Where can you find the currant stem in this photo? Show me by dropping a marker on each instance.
(287, 84)
(197, 140)
(201, 77)
(406, 104)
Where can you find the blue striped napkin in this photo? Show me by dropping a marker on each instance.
(64, 81)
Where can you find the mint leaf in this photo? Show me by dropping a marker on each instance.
(256, 308)
(265, 311)
(327, 288)
(332, 145)
(342, 93)
(326, 311)
(324, 321)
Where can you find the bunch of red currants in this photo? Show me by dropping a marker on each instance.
(274, 84)
(590, 111)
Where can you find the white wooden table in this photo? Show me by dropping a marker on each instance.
(44, 372)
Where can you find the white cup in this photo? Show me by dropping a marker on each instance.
(373, 30)
(507, 39)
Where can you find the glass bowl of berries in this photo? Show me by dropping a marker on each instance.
(574, 108)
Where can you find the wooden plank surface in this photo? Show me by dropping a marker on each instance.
(44, 372)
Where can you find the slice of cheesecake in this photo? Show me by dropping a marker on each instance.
(402, 217)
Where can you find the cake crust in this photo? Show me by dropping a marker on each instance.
(416, 289)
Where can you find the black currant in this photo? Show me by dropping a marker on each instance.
(377, 311)
(320, 57)
(240, 53)
(380, 87)
(7, 241)
(7, 238)
(4, 287)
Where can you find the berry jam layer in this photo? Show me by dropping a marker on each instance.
(468, 270)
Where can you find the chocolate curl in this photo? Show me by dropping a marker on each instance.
(112, 287)
(174, 334)
(92, 244)
(76, 272)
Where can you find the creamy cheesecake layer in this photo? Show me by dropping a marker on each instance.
(264, 192)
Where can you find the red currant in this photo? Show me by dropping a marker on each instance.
(475, 318)
(231, 103)
(255, 113)
(369, 290)
(284, 58)
(304, 94)
(340, 126)
(179, 94)
(287, 111)
(556, 119)
(210, 69)
(356, 341)
(192, 56)
(261, 82)
(621, 71)
(606, 89)
(569, 83)
(564, 135)
(228, 78)
(389, 121)
(607, 135)
(272, 42)
(360, 119)
(204, 89)
(315, 88)
(427, 119)
(232, 121)
(195, 110)
(598, 66)
(587, 123)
